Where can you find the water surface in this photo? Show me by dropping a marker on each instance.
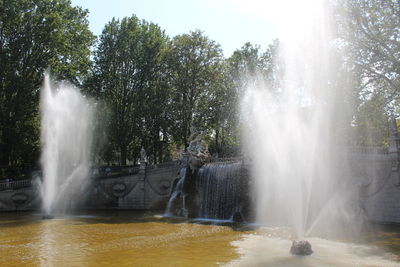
(119, 239)
(143, 239)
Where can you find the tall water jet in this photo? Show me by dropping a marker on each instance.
(295, 132)
(66, 138)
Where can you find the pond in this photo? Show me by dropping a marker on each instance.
(145, 239)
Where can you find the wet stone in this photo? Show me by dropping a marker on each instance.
(301, 248)
(47, 217)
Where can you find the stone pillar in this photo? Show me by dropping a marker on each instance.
(142, 177)
(142, 163)
(394, 139)
(394, 145)
(142, 167)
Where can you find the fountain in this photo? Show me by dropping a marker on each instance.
(209, 190)
(66, 136)
(294, 134)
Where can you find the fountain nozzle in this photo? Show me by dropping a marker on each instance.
(301, 248)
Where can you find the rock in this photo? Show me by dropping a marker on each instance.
(47, 217)
(301, 248)
(237, 217)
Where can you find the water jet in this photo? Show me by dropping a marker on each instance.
(66, 136)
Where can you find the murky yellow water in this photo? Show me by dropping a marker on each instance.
(105, 241)
(132, 239)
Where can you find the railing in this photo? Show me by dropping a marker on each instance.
(117, 171)
(162, 165)
(15, 185)
(234, 159)
(369, 150)
(114, 171)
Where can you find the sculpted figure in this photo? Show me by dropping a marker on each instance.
(198, 150)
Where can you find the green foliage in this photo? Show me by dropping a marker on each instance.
(371, 34)
(35, 35)
(195, 63)
(150, 90)
(249, 65)
(128, 78)
(371, 121)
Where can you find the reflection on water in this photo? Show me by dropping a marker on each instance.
(140, 239)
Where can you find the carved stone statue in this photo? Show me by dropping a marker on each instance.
(198, 150)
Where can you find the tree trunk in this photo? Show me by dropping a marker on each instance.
(123, 155)
(6, 147)
(217, 142)
(160, 151)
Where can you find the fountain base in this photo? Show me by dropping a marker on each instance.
(47, 217)
(301, 248)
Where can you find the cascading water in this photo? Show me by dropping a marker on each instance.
(66, 136)
(216, 191)
(294, 134)
(222, 190)
(178, 195)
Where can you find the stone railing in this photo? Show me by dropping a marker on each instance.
(162, 165)
(15, 185)
(115, 171)
(233, 159)
(368, 150)
(114, 187)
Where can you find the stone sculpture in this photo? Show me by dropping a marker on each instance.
(198, 150)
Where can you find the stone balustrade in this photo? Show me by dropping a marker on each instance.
(133, 188)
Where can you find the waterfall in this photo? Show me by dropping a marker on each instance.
(177, 194)
(221, 190)
(214, 191)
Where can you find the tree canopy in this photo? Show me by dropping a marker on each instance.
(127, 77)
(151, 89)
(36, 35)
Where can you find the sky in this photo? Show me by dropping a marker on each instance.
(231, 23)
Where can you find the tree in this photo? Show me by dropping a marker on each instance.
(371, 121)
(222, 109)
(370, 32)
(369, 37)
(127, 77)
(195, 65)
(35, 35)
(247, 66)
(156, 100)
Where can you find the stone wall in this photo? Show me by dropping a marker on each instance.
(20, 199)
(379, 188)
(383, 203)
(376, 173)
(149, 189)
